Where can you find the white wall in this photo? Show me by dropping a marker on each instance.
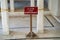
(58, 8)
(53, 7)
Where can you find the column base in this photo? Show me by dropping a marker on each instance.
(40, 31)
(31, 35)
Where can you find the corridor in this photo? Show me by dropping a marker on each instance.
(15, 24)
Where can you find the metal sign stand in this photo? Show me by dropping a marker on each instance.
(31, 33)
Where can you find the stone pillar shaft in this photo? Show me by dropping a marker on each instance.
(12, 5)
(4, 15)
(40, 25)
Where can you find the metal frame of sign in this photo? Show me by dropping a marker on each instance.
(30, 11)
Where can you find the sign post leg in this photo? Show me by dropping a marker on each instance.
(31, 33)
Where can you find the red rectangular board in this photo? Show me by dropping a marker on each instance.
(31, 10)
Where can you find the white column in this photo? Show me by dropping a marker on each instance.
(40, 25)
(12, 5)
(49, 4)
(32, 3)
(4, 15)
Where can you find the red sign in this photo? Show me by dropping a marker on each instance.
(31, 10)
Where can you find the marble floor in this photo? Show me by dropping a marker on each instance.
(20, 23)
(20, 26)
